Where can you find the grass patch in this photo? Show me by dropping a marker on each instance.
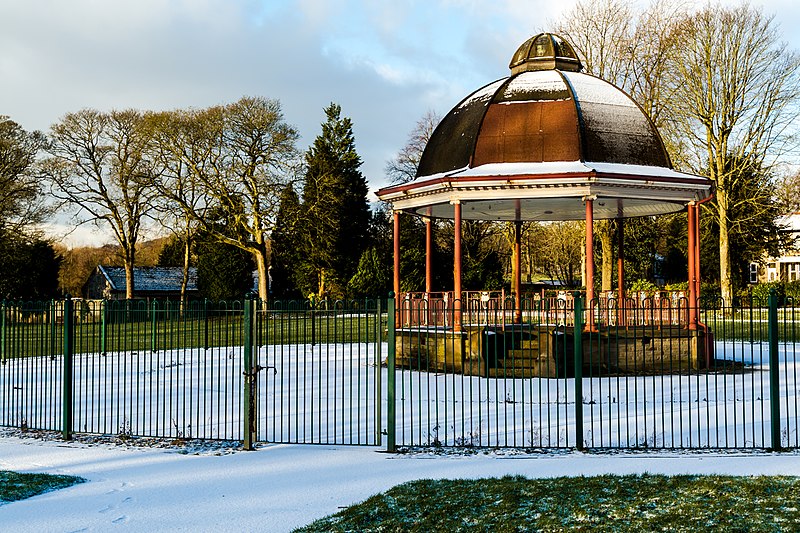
(602, 503)
(15, 486)
(42, 339)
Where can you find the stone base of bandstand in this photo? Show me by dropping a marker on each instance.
(522, 351)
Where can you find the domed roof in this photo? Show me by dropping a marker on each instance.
(546, 111)
(538, 144)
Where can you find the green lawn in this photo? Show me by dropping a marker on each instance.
(45, 339)
(15, 486)
(603, 503)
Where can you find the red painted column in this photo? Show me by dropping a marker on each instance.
(457, 293)
(518, 272)
(697, 251)
(428, 269)
(692, 259)
(590, 261)
(621, 314)
(709, 338)
(428, 255)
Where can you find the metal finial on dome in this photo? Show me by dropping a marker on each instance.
(545, 51)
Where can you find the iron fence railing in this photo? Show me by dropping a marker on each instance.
(649, 374)
(210, 370)
(654, 374)
(437, 309)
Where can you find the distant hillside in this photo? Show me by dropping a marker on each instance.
(79, 263)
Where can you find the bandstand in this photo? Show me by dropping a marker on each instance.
(547, 143)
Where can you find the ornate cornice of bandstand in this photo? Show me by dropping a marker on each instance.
(642, 190)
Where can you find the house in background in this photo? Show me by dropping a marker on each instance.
(107, 282)
(786, 267)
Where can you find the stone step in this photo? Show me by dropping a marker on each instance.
(527, 344)
(517, 355)
(522, 358)
(519, 373)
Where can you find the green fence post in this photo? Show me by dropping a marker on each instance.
(391, 413)
(378, 384)
(249, 374)
(577, 344)
(103, 325)
(3, 331)
(153, 327)
(313, 324)
(205, 323)
(68, 337)
(774, 375)
(53, 328)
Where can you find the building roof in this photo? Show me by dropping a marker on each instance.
(150, 279)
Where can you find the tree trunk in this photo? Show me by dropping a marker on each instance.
(725, 282)
(185, 280)
(528, 263)
(603, 229)
(263, 274)
(129, 282)
(321, 286)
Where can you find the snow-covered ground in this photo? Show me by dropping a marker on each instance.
(336, 394)
(281, 487)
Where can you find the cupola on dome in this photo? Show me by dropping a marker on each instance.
(545, 52)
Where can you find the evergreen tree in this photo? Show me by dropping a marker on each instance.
(412, 254)
(372, 277)
(641, 243)
(171, 254)
(286, 256)
(224, 271)
(30, 268)
(335, 207)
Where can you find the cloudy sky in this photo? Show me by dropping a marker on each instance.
(385, 62)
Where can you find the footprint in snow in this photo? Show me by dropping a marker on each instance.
(121, 520)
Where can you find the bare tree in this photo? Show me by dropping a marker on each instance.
(241, 157)
(602, 34)
(561, 252)
(97, 163)
(403, 167)
(788, 189)
(736, 93)
(181, 150)
(509, 231)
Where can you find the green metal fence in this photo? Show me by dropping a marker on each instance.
(240, 370)
(604, 374)
(552, 374)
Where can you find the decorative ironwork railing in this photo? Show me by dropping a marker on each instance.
(438, 309)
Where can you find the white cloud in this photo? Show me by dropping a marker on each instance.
(386, 63)
(73, 236)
